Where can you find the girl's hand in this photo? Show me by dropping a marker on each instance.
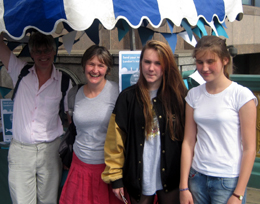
(186, 197)
(119, 193)
(234, 200)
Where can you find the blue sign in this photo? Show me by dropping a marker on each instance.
(128, 68)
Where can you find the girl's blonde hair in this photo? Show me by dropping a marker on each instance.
(216, 45)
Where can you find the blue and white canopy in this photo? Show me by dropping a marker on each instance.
(17, 16)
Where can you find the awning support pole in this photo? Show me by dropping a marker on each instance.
(132, 39)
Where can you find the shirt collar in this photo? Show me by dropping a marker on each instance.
(54, 73)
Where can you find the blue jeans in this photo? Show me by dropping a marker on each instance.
(211, 190)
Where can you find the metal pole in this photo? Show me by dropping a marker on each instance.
(132, 39)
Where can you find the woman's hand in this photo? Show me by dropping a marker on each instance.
(186, 197)
(118, 192)
(65, 167)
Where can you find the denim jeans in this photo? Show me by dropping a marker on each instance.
(211, 190)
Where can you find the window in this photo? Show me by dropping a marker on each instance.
(257, 3)
(251, 2)
(247, 2)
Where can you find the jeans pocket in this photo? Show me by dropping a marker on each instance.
(192, 173)
(229, 183)
(11, 151)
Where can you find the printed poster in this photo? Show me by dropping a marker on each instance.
(7, 119)
(128, 68)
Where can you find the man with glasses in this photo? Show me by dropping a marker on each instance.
(34, 164)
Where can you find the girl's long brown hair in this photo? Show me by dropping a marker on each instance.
(172, 91)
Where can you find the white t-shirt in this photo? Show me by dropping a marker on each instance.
(152, 158)
(218, 150)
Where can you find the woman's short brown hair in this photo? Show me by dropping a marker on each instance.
(102, 54)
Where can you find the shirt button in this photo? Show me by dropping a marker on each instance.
(141, 145)
(160, 116)
(163, 169)
(142, 127)
(164, 185)
(166, 190)
(163, 151)
(154, 100)
(162, 133)
(140, 162)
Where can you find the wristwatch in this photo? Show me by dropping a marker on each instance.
(240, 197)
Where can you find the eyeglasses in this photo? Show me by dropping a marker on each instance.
(40, 52)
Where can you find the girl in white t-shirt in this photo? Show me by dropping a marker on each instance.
(218, 150)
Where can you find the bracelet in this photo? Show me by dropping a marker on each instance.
(183, 189)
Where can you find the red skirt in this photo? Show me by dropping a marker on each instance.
(84, 185)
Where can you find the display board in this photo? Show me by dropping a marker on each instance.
(128, 68)
(7, 119)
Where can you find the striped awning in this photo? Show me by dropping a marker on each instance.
(17, 16)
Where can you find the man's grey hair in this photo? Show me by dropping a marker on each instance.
(38, 40)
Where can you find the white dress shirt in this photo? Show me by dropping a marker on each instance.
(35, 113)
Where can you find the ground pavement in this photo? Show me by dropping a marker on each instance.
(253, 196)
